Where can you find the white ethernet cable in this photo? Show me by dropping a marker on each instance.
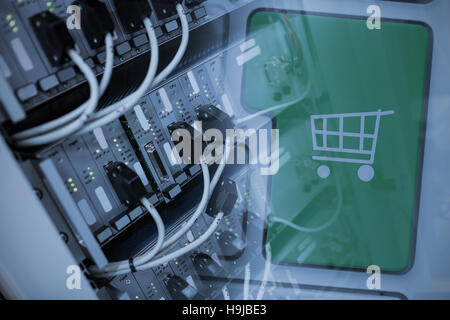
(125, 264)
(203, 202)
(102, 117)
(274, 108)
(144, 262)
(119, 108)
(114, 267)
(72, 127)
(121, 267)
(180, 252)
(53, 124)
(221, 167)
(201, 207)
(182, 49)
(109, 64)
(161, 232)
(141, 262)
(173, 255)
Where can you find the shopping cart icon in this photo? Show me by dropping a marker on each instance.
(320, 141)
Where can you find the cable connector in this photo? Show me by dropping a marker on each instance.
(131, 13)
(126, 183)
(180, 289)
(223, 198)
(165, 8)
(96, 21)
(53, 36)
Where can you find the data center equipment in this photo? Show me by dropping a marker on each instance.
(224, 149)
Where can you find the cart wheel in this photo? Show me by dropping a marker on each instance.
(323, 171)
(366, 173)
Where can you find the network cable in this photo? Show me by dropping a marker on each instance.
(72, 127)
(124, 265)
(117, 109)
(201, 207)
(180, 252)
(109, 64)
(51, 125)
(173, 255)
(182, 49)
(199, 210)
(161, 232)
(143, 262)
(88, 121)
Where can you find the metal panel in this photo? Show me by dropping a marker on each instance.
(34, 256)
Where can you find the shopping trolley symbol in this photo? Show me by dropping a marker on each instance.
(365, 172)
